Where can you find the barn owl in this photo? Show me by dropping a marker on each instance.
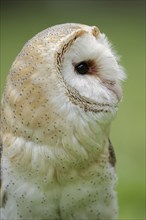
(62, 92)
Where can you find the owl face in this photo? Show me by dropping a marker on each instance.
(91, 69)
(65, 74)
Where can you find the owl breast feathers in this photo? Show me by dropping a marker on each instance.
(62, 93)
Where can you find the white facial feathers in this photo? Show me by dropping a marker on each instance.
(107, 74)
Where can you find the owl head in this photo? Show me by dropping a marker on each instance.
(66, 74)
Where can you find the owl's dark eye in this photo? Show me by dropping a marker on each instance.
(82, 68)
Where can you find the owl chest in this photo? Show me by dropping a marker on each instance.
(79, 197)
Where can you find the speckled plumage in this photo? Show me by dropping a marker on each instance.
(57, 160)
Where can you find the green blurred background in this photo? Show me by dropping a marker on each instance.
(124, 24)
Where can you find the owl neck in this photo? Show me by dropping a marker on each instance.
(81, 145)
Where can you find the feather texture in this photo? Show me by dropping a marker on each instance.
(57, 161)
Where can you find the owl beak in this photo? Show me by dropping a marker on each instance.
(114, 87)
(117, 91)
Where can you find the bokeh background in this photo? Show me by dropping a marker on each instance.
(124, 24)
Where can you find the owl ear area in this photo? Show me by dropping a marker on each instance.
(95, 31)
(88, 67)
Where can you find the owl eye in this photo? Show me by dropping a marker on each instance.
(82, 68)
